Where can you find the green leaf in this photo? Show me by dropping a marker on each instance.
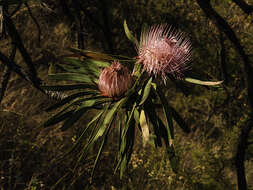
(74, 117)
(129, 34)
(144, 128)
(136, 116)
(95, 118)
(128, 147)
(69, 99)
(106, 124)
(167, 113)
(174, 160)
(72, 77)
(208, 83)
(57, 118)
(78, 114)
(100, 151)
(97, 63)
(109, 117)
(68, 87)
(87, 66)
(153, 118)
(94, 131)
(127, 141)
(180, 121)
(146, 91)
(92, 55)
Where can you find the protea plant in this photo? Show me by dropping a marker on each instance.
(129, 99)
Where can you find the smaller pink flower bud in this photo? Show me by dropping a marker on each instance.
(115, 80)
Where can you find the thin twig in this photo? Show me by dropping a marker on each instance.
(35, 21)
(16, 9)
(12, 66)
(16, 39)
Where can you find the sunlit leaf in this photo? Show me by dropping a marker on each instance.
(146, 91)
(129, 34)
(208, 83)
(109, 117)
(136, 116)
(144, 127)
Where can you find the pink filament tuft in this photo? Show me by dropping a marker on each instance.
(163, 50)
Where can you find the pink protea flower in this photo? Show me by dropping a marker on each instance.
(115, 80)
(163, 50)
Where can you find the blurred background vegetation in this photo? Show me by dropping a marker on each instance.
(208, 155)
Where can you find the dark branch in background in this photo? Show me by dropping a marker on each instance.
(16, 39)
(12, 66)
(107, 31)
(76, 18)
(79, 24)
(248, 74)
(244, 6)
(65, 9)
(7, 75)
(16, 9)
(35, 21)
(223, 59)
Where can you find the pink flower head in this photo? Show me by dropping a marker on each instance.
(115, 80)
(163, 50)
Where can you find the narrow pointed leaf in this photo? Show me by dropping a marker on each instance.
(167, 113)
(95, 118)
(75, 116)
(174, 160)
(100, 152)
(144, 128)
(68, 87)
(109, 117)
(69, 99)
(146, 91)
(208, 83)
(154, 121)
(106, 124)
(57, 119)
(136, 116)
(91, 140)
(72, 77)
(93, 55)
(129, 34)
(180, 121)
